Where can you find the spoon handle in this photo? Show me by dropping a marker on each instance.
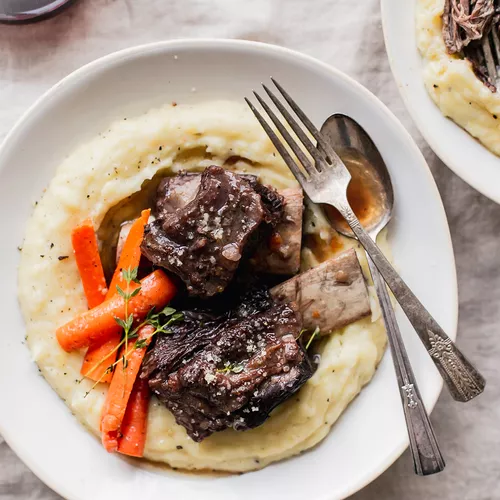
(461, 378)
(427, 458)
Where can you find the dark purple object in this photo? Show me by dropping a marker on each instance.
(18, 11)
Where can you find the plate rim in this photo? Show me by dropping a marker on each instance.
(159, 46)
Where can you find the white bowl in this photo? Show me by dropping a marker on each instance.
(468, 158)
(371, 434)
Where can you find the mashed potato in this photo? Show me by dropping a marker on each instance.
(96, 177)
(451, 82)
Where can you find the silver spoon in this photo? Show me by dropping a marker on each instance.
(371, 196)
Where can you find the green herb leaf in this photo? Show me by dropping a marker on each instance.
(130, 275)
(121, 322)
(134, 292)
(231, 368)
(168, 311)
(121, 292)
(238, 368)
(129, 322)
(175, 318)
(133, 274)
(150, 314)
(126, 275)
(140, 344)
(225, 369)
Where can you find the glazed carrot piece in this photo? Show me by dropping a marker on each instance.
(131, 253)
(102, 354)
(97, 359)
(88, 260)
(99, 324)
(120, 389)
(134, 425)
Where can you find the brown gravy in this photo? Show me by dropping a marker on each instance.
(361, 194)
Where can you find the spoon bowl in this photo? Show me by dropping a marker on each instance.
(370, 191)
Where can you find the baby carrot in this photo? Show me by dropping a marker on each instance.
(134, 425)
(89, 264)
(98, 358)
(99, 324)
(131, 253)
(102, 354)
(120, 389)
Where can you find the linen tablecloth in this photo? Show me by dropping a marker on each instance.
(348, 35)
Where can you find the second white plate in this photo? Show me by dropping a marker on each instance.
(469, 159)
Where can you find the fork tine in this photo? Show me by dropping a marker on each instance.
(308, 166)
(496, 46)
(310, 126)
(488, 56)
(279, 146)
(313, 150)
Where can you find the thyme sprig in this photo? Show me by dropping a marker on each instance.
(159, 324)
(158, 320)
(129, 276)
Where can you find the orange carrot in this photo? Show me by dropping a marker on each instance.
(99, 324)
(98, 358)
(89, 264)
(131, 253)
(120, 390)
(134, 425)
(101, 354)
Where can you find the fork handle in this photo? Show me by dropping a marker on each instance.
(427, 458)
(461, 378)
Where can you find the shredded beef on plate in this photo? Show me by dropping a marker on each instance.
(469, 29)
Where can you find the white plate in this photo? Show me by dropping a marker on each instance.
(469, 159)
(371, 434)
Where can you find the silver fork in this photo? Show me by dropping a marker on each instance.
(326, 181)
(490, 45)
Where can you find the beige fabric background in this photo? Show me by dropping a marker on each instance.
(348, 35)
